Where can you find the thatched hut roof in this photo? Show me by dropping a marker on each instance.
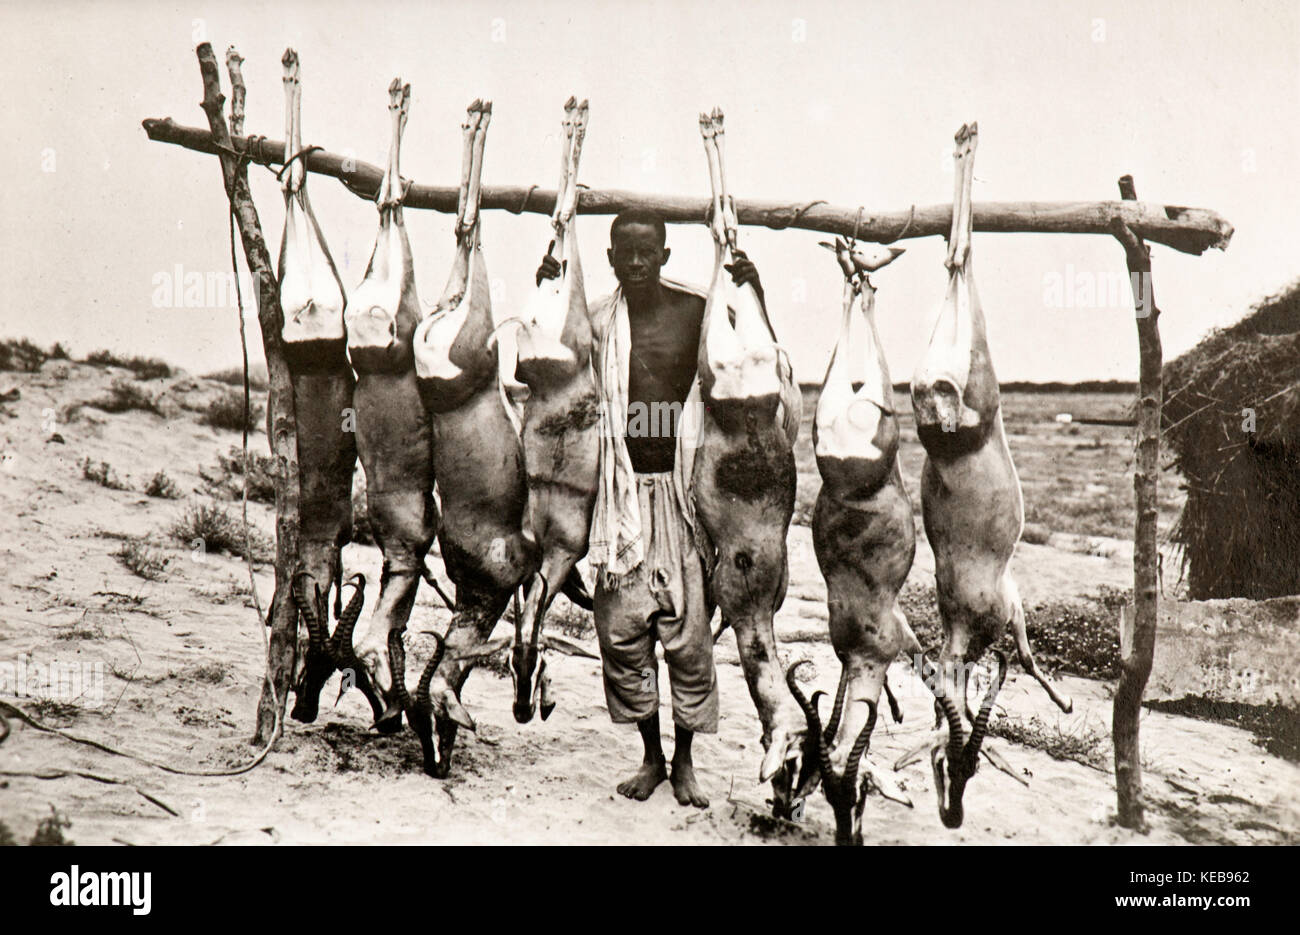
(1232, 419)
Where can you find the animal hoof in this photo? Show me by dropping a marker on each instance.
(304, 711)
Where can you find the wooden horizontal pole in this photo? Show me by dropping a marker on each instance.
(1190, 230)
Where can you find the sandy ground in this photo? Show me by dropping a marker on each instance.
(182, 662)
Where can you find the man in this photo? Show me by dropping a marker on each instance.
(650, 576)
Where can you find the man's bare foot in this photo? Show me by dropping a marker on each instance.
(644, 781)
(686, 788)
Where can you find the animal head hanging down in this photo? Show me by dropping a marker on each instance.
(954, 388)
(382, 313)
(338, 647)
(453, 356)
(532, 683)
(554, 340)
(846, 797)
(955, 761)
(311, 292)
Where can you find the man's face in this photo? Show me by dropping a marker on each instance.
(637, 253)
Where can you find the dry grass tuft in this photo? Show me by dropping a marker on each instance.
(102, 473)
(141, 560)
(125, 395)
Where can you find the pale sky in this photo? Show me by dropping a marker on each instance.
(854, 103)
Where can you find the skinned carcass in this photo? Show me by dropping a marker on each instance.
(312, 297)
(743, 477)
(560, 430)
(865, 540)
(971, 503)
(479, 463)
(393, 436)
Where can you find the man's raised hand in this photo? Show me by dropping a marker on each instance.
(743, 271)
(550, 269)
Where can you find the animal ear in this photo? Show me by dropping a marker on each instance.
(773, 760)
(567, 646)
(546, 699)
(483, 650)
(885, 785)
(456, 711)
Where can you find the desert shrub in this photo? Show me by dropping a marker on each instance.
(1078, 635)
(49, 831)
(59, 352)
(21, 355)
(1036, 534)
(213, 673)
(227, 479)
(234, 376)
(145, 368)
(227, 412)
(1081, 743)
(6, 836)
(163, 487)
(102, 473)
(142, 560)
(210, 528)
(125, 395)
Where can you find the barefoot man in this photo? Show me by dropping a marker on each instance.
(650, 574)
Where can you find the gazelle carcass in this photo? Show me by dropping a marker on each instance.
(865, 540)
(561, 428)
(743, 476)
(312, 298)
(393, 436)
(478, 460)
(970, 500)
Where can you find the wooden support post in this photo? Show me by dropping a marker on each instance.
(1138, 635)
(1191, 230)
(281, 425)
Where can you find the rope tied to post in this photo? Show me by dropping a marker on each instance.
(911, 216)
(523, 204)
(305, 151)
(784, 221)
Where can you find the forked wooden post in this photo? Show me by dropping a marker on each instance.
(281, 425)
(1138, 635)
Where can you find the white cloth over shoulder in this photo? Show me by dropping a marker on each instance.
(617, 546)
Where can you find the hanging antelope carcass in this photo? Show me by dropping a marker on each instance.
(560, 429)
(478, 460)
(743, 476)
(312, 297)
(970, 500)
(865, 540)
(393, 437)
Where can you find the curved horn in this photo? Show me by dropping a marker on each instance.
(956, 735)
(397, 661)
(307, 607)
(810, 713)
(834, 724)
(541, 611)
(422, 696)
(859, 750)
(980, 728)
(340, 644)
